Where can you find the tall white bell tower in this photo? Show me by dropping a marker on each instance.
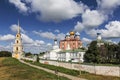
(17, 47)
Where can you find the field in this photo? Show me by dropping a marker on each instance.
(12, 69)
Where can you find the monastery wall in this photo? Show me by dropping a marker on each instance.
(100, 70)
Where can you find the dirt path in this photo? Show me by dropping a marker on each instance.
(50, 71)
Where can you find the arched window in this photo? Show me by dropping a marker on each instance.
(17, 35)
(17, 48)
(17, 41)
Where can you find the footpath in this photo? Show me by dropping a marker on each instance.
(53, 72)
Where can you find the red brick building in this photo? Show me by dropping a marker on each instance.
(71, 41)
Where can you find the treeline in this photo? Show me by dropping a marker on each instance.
(5, 54)
(107, 53)
(27, 54)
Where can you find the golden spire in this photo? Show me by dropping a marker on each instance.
(18, 27)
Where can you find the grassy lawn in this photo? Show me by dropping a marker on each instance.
(12, 69)
(85, 75)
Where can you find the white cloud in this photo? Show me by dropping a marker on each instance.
(6, 48)
(91, 32)
(38, 42)
(14, 28)
(49, 44)
(7, 37)
(60, 36)
(30, 42)
(111, 30)
(108, 4)
(86, 40)
(26, 39)
(20, 5)
(34, 46)
(92, 18)
(57, 30)
(50, 35)
(79, 27)
(51, 10)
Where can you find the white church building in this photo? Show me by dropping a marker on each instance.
(68, 55)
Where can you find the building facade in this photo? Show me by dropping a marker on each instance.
(68, 49)
(71, 41)
(18, 47)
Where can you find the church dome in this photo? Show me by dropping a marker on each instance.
(77, 34)
(67, 34)
(55, 39)
(72, 33)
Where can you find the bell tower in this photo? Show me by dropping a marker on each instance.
(17, 47)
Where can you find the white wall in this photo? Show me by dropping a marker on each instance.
(101, 70)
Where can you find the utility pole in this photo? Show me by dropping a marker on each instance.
(79, 65)
(119, 70)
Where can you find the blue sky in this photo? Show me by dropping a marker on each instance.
(43, 20)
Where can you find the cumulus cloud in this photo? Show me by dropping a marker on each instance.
(26, 39)
(86, 40)
(50, 35)
(92, 18)
(14, 28)
(6, 48)
(91, 32)
(111, 30)
(34, 46)
(49, 44)
(51, 10)
(107, 6)
(57, 30)
(79, 27)
(20, 5)
(7, 37)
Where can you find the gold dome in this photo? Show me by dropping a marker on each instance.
(72, 33)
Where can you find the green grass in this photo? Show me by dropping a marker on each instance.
(12, 69)
(60, 69)
(84, 74)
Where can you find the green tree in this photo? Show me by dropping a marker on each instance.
(5, 54)
(92, 54)
(28, 54)
(41, 53)
(107, 53)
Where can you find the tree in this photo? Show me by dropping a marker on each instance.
(41, 53)
(107, 53)
(118, 53)
(5, 54)
(92, 54)
(28, 54)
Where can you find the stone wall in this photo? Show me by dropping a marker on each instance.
(101, 70)
(29, 59)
